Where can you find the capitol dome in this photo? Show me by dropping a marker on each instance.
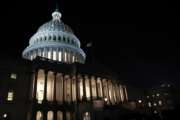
(56, 41)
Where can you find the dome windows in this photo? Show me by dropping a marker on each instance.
(64, 39)
(49, 37)
(68, 41)
(54, 38)
(59, 38)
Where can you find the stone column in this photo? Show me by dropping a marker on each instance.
(77, 89)
(71, 81)
(64, 89)
(84, 88)
(126, 96)
(96, 88)
(54, 99)
(57, 54)
(51, 57)
(62, 55)
(46, 52)
(108, 92)
(102, 87)
(90, 85)
(45, 87)
(35, 84)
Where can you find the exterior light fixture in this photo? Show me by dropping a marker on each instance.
(139, 101)
(105, 99)
(5, 115)
(155, 112)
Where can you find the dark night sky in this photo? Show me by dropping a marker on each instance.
(137, 39)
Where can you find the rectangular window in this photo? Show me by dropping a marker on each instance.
(10, 96)
(60, 56)
(49, 54)
(13, 76)
(65, 57)
(54, 55)
(73, 58)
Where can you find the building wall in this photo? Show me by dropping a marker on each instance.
(15, 78)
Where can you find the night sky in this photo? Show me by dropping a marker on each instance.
(136, 39)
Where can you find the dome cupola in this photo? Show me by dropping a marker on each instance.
(56, 41)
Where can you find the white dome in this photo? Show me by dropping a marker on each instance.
(56, 41)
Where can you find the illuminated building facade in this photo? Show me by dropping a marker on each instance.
(58, 83)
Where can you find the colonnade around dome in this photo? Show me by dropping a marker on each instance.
(56, 54)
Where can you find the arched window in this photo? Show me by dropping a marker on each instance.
(59, 38)
(59, 88)
(49, 37)
(87, 88)
(64, 39)
(39, 115)
(54, 38)
(50, 115)
(72, 42)
(45, 38)
(93, 85)
(59, 115)
(68, 41)
(40, 86)
(50, 86)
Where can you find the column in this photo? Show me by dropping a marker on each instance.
(84, 88)
(102, 85)
(62, 55)
(51, 54)
(45, 87)
(71, 81)
(77, 89)
(54, 99)
(57, 54)
(108, 92)
(125, 90)
(35, 84)
(97, 94)
(90, 85)
(63, 88)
